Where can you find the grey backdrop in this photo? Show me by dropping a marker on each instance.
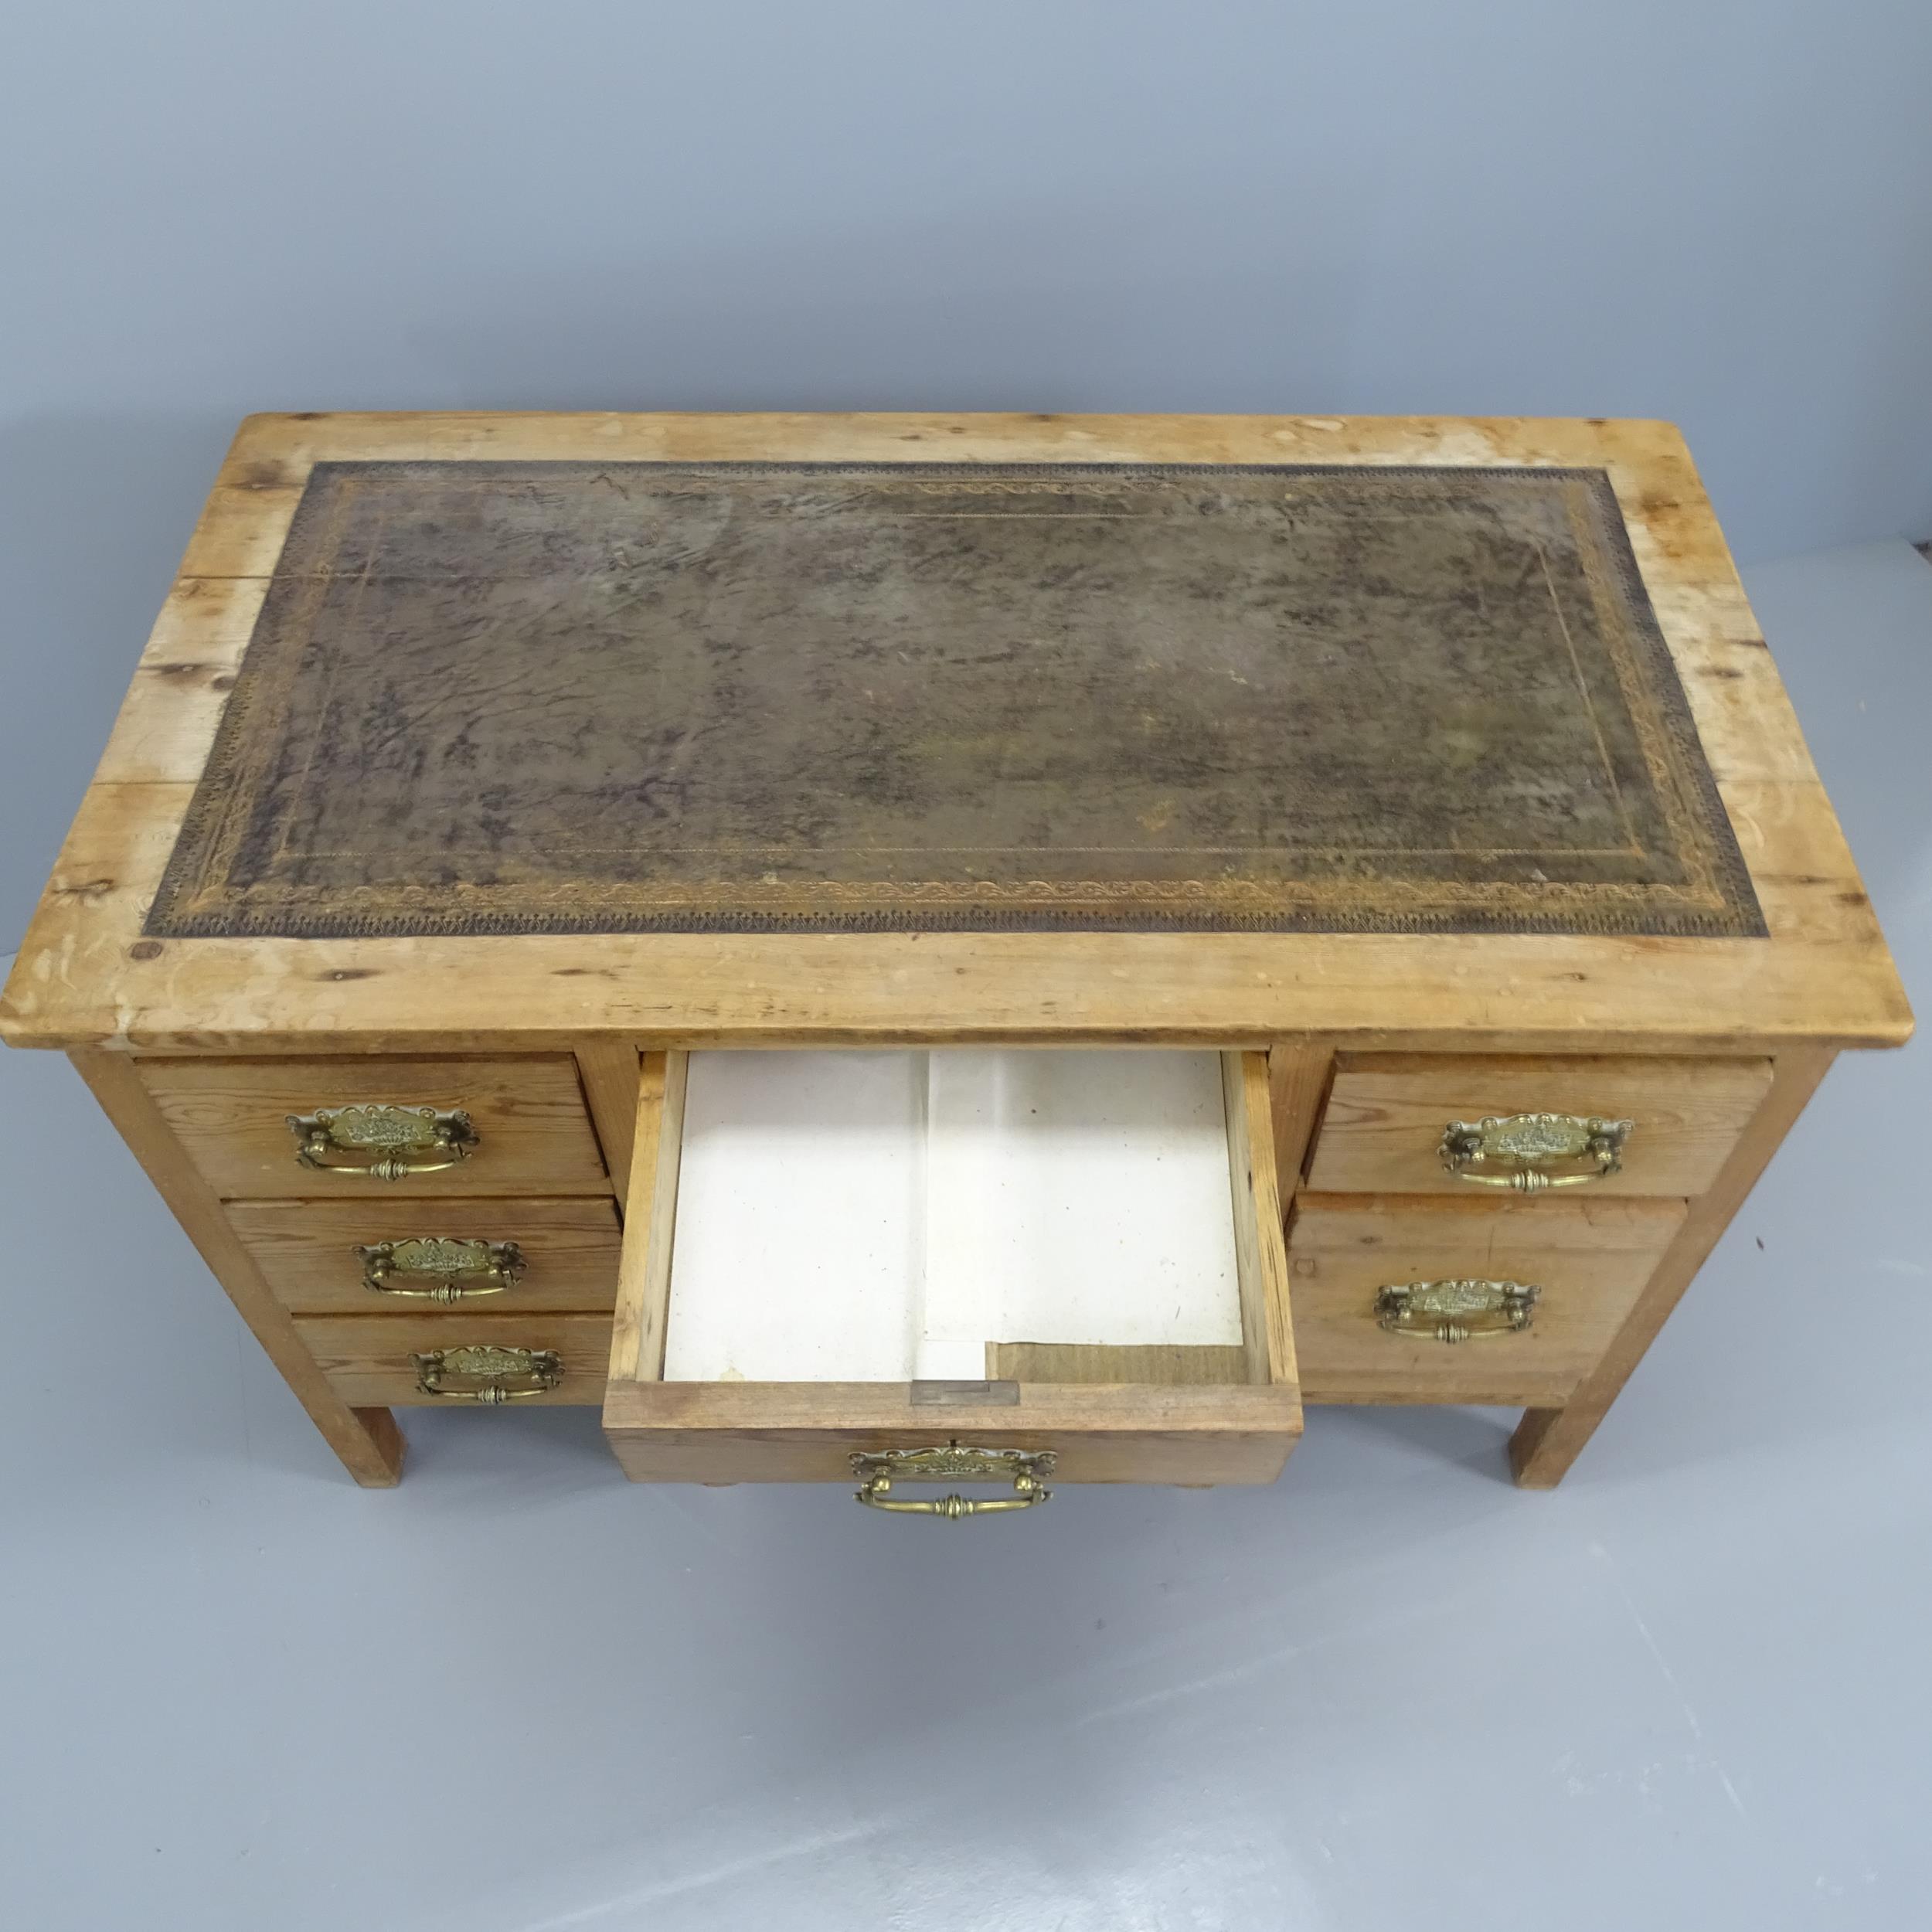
(1718, 211)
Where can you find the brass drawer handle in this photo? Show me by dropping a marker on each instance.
(878, 1469)
(456, 1270)
(1456, 1310)
(1517, 1151)
(388, 1142)
(491, 1369)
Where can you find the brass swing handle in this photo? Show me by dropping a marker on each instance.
(384, 1142)
(455, 1270)
(491, 1369)
(1456, 1310)
(878, 1470)
(1520, 1151)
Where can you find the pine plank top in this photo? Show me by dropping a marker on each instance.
(1650, 862)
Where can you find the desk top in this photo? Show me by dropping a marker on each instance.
(753, 729)
(649, 697)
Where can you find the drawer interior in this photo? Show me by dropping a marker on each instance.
(906, 1216)
(827, 1251)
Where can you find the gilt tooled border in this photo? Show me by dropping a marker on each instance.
(1716, 899)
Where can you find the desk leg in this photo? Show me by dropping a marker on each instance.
(1548, 1440)
(368, 1440)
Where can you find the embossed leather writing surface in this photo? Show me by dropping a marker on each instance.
(571, 697)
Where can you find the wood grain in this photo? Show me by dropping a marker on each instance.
(1261, 1261)
(366, 1438)
(306, 1250)
(181, 683)
(804, 1432)
(651, 1220)
(1823, 974)
(609, 1078)
(366, 1358)
(1387, 1114)
(1590, 1259)
(1299, 1072)
(231, 1116)
(1067, 1363)
(1550, 1438)
(241, 529)
(85, 974)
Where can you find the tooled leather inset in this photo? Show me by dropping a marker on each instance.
(575, 697)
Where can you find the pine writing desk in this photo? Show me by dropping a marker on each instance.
(672, 913)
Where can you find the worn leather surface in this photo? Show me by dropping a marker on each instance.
(570, 697)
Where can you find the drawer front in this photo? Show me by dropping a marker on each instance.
(531, 1131)
(368, 1358)
(751, 1432)
(1201, 1411)
(561, 1254)
(1587, 1260)
(1382, 1131)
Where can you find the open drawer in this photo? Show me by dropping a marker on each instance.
(1007, 1267)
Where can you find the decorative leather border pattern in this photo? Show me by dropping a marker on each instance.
(1712, 895)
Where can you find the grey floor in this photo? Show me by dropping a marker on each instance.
(1693, 1687)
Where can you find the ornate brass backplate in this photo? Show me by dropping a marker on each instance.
(880, 1469)
(1457, 1310)
(440, 1267)
(1529, 1152)
(383, 1140)
(488, 1373)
